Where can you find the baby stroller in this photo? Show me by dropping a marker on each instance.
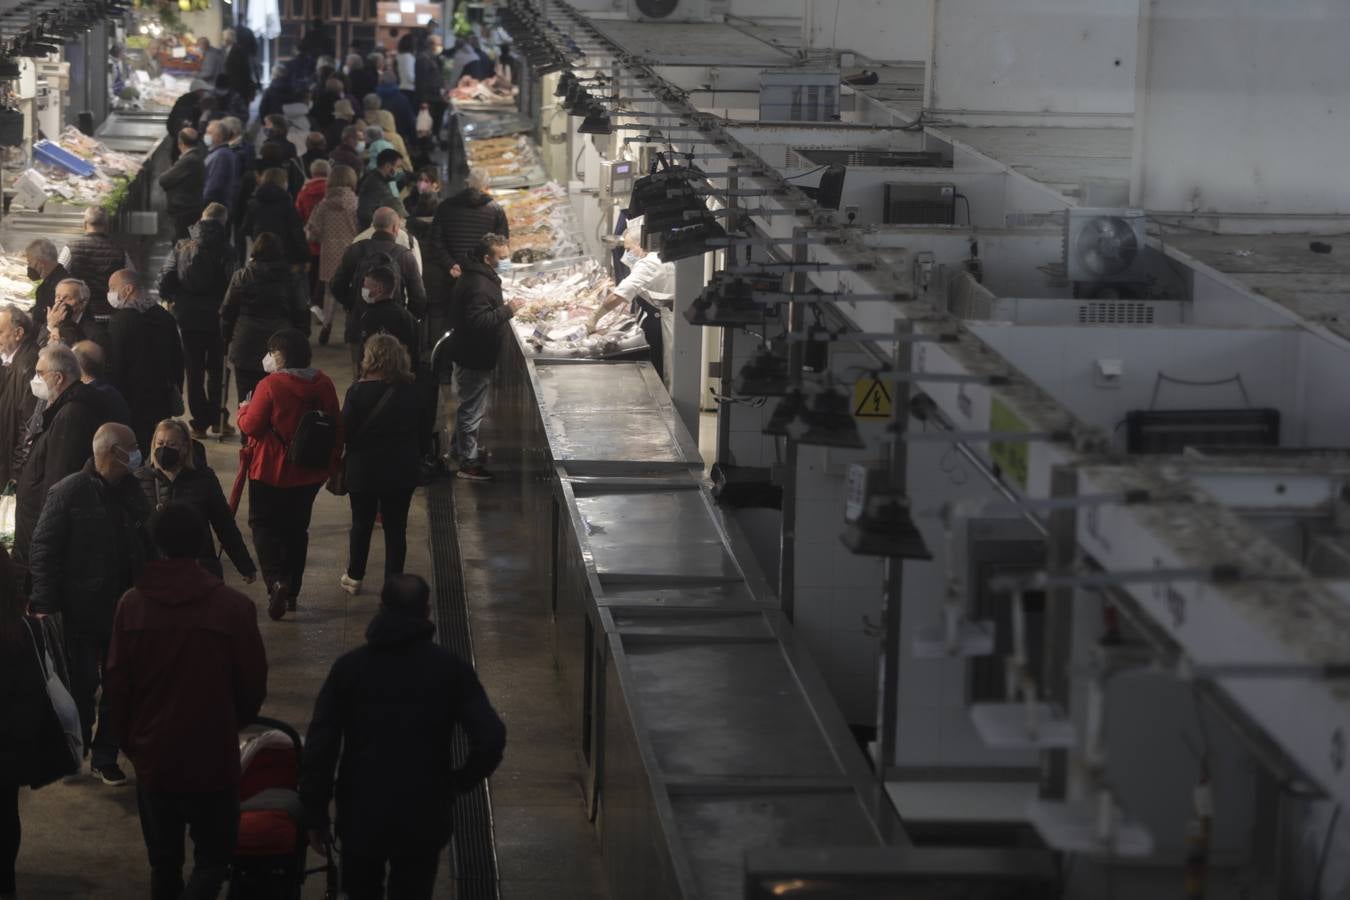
(269, 861)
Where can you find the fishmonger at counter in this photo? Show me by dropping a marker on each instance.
(648, 289)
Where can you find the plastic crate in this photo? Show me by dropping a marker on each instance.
(56, 155)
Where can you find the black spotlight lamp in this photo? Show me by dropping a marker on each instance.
(565, 83)
(764, 375)
(786, 420)
(830, 421)
(596, 122)
(885, 528)
(725, 302)
(690, 241)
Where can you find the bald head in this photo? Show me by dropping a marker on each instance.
(385, 219)
(115, 451)
(91, 358)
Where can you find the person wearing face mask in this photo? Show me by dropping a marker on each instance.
(94, 257)
(145, 359)
(281, 493)
(69, 320)
(379, 187)
(331, 227)
(46, 271)
(648, 289)
(177, 473)
(92, 370)
(374, 114)
(478, 319)
(221, 182)
(382, 315)
(19, 349)
(87, 550)
(347, 152)
(73, 411)
(260, 301)
(382, 248)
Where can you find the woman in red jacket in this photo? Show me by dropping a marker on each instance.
(280, 492)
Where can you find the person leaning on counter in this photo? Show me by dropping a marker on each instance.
(649, 287)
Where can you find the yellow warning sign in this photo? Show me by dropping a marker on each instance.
(871, 399)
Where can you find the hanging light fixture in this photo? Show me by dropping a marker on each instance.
(785, 420)
(830, 421)
(723, 302)
(764, 375)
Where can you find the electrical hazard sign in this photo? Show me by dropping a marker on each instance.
(871, 399)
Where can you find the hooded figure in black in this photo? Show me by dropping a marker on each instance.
(399, 698)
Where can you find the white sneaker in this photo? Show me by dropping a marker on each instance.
(317, 313)
(349, 584)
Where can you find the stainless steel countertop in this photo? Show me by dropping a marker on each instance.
(614, 415)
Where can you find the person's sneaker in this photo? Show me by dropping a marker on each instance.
(324, 333)
(278, 601)
(198, 432)
(317, 313)
(111, 775)
(474, 472)
(349, 584)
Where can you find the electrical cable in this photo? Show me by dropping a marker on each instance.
(804, 174)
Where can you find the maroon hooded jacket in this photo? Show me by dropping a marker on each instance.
(186, 670)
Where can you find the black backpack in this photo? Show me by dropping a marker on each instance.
(311, 447)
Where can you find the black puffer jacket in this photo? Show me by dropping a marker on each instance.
(94, 259)
(459, 224)
(89, 546)
(197, 274)
(400, 697)
(262, 299)
(200, 489)
(478, 317)
(365, 255)
(59, 449)
(273, 209)
(24, 705)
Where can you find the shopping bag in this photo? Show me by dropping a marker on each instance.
(60, 739)
(9, 505)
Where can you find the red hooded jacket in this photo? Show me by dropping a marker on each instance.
(308, 198)
(271, 418)
(186, 670)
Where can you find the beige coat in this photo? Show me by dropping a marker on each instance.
(333, 227)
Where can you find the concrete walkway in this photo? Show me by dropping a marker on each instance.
(82, 839)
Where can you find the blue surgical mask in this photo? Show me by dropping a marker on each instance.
(629, 259)
(134, 459)
(207, 140)
(504, 266)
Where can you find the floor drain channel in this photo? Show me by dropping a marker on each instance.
(472, 849)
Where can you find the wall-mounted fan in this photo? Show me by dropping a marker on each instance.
(1104, 246)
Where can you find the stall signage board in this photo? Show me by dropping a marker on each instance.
(872, 399)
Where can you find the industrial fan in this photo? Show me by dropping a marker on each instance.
(671, 10)
(1104, 246)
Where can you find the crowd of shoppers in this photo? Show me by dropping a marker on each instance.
(113, 586)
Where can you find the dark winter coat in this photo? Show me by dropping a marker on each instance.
(239, 72)
(363, 81)
(61, 448)
(332, 134)
(392, 99)
(186, 670)
(24, 706)
(222, 177)
(342, 155)
(347, 278)
(399, 698)
(478, 317)
(145, 363)
(16, 404)
(459, 223)
(273, 209)
(382, 453)
(45, 295)
(390, 317)
(430, 78)
(197, 274)
(95, 258)
(261, 301)
(183, 184)
(200, 489)
(89, 546)
(87, 329)
(372, 193)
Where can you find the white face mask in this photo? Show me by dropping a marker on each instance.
(115, 300)
(630, 258)
(365, 295)
(360, 146)
(208, 140)
(504, 266)
(134, 459)
(270, 363)
(40, 388)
